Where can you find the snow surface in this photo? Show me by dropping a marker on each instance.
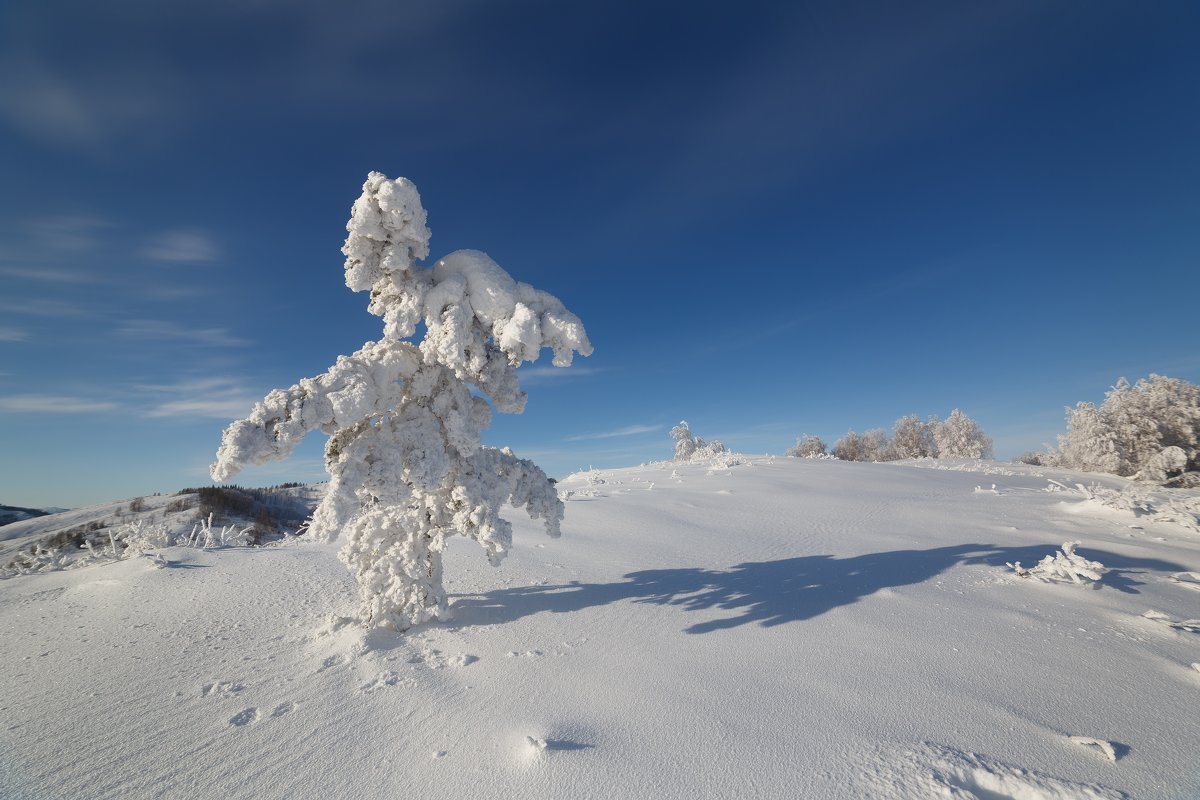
(751, 628)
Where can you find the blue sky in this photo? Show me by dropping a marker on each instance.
(774, 218)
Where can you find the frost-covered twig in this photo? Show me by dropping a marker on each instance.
(1065, 565)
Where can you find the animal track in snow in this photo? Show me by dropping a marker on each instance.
(385, 680)
(249, 716)
(435, 659)
(221, 689)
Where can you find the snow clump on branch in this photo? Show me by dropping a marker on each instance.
(407, 466)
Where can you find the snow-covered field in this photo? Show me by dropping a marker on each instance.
(781, 628)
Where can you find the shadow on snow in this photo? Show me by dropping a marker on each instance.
(775, 592)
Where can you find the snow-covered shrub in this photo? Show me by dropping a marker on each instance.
(961, 437)
(912, 438)
(689, 447)
(685, 442)
(139, 536)
(407, 467)
(873, 445)
(849, 447)
(808, 447)
(877, 446)
(206, 537)
(1166, 463)
(1065, 565)
(1149, 430)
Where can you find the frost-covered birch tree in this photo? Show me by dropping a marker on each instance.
(407, 466)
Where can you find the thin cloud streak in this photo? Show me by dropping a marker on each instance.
(631, 430)
(181, 247)
(159, 329)
(212, 398)
(13, 335)
(51, 404)
(45, 308)
(48, 275)
(534, 375)
(211, 409)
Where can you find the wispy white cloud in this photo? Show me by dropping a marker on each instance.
(181, 247)
(49, 274)
(89, 109)
(630, 430)
(162, 330)
(13, 334)
(79, 233)
(201, 407)
(213, 398)
(530, 375)
(44, 308)
(51, 404)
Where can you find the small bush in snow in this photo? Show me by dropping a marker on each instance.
(689, 447)
(1065, 565)
(407, 467)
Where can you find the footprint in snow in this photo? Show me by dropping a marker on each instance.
(244, 717)
(333, 661)
(539, 745)
(285, 707)
(221, 689)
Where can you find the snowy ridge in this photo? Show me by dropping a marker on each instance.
(769, 628)
(77, 537)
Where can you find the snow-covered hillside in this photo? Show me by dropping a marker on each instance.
(779, 628)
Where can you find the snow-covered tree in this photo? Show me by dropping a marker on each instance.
(849, 447)
(961, 437)
(406, 464)
(808, 446)
(685, 442)
(877, 446)
(1090, 444)
(912, 438)
(689, 446)
(1144, 430)
(874, 445)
